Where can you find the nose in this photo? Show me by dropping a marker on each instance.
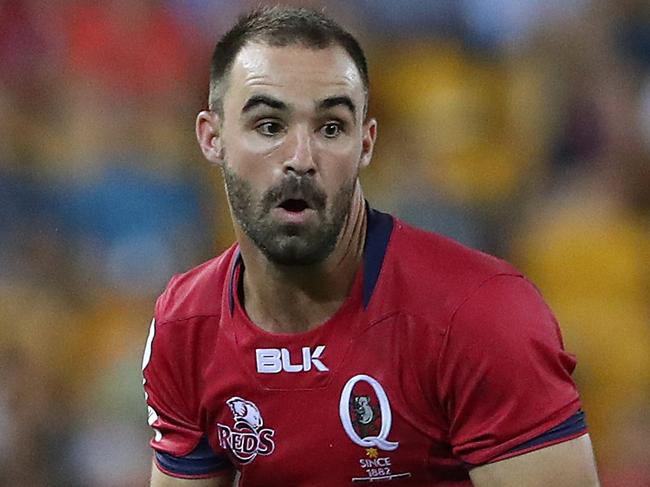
(300, 156)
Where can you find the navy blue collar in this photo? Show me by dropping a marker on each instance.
(378, 232)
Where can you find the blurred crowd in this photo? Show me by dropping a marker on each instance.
(520, 127)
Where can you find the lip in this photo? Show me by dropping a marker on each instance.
(295, 217)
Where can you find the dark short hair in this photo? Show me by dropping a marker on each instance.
(280, 27)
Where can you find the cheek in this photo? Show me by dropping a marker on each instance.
(252, 160)
(260, 147)
(248, 144)
(339, 165)
(345, 149)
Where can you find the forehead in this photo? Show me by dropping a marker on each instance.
(293, 73)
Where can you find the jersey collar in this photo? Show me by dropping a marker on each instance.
(379, 230)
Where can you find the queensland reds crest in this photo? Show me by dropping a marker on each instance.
(247, 438)
(365, 413)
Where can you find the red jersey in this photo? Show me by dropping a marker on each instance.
(440, 359)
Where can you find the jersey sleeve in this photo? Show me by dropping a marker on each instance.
(181, 448)
(504, 378)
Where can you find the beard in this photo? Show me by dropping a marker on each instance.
(289, 244)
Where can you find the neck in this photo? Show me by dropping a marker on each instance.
(294, 299)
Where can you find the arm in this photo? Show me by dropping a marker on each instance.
(567, 464)
(159, 479)
(506, 382)
(183, 454)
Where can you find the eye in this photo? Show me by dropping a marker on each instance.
(269, 129)
(331, 129)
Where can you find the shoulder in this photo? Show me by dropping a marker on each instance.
(197, 292)
(439, 273)
(187, 318)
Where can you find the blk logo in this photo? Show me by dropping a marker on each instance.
(275, 360)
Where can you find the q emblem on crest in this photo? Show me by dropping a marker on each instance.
(366, 423)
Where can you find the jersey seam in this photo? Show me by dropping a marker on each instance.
(377, 321)
(451, 318)
(173, 320)
(480, 285)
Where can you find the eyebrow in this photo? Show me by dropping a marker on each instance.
(333, 101)
(257, 100)
(330, 102)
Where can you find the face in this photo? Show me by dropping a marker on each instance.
(291, 141)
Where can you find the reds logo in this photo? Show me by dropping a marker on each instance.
(246, 439)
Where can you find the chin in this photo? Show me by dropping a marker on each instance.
(297, 253)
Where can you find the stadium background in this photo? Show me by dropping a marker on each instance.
(521, 127)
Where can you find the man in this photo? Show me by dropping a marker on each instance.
(333, 344)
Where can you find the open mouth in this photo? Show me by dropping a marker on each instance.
(294, 205)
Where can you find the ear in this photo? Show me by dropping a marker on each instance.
(368, 141)
(208, 133)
